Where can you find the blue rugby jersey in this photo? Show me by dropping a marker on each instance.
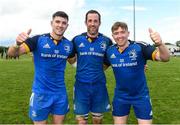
(90, 57)
(128, 68)
(49, 61)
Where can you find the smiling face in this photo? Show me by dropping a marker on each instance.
(120, 33)
(92, 23)
(59, 26)
(120, 36)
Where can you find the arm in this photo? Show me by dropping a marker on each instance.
(71, 60)
(20, 47)
(105, 66)
(16, 50)
(162, 53)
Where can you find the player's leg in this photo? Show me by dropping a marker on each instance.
(119, 120)
(82, 119)
(60, 107)
(39, 108)
(97, 118)
(100, 102)
(143, 110)
(81, 102)
(144, 122)
(121, 109)
(39, 122)
(58, 119)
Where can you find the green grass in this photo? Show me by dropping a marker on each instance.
(16, 81)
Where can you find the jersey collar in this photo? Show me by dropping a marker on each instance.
(91, 39)
(121, 51)
(55, 41)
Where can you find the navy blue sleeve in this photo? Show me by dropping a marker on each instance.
(109, 43)
(73, 50)
(147, 50)
(32, 42)
(106, 61)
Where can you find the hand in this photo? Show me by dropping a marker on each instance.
(156, 38)
(22, 37)
(145, 67)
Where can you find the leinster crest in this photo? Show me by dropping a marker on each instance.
(67, 48)
(103, 45)
(132, 54)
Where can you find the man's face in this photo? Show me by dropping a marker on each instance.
(120, 36)
(59, 25)
(92, 23)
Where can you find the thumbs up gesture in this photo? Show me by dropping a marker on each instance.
(23, 37)
(156, 38)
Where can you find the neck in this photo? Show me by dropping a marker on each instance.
(92, 36)
(55, 36)
(123, 47)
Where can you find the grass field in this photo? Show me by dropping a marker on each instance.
(16, 80)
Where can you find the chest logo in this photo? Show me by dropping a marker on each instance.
(81, 45)
(46, 46)
(91, 49)
(132, 54)
(103, 46)
(67, 48)
(56, 51)
(113, 56)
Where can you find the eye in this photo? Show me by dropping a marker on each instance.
(64, 23)
(115, 33)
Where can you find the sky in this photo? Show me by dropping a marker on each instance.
(162, 16)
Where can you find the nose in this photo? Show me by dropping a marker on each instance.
(60, 24)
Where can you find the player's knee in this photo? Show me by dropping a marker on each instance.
(97, 118)
(82, 119)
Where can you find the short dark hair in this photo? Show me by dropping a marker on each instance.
(61, 14)
(116, 25)
(93, 11)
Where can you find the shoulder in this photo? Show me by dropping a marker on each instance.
(107, 39)
(141, 43)
(112, 47)
(79, 36)
(38, 36)
(104, 36)
(67, 41)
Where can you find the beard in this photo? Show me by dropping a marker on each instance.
(92, 31)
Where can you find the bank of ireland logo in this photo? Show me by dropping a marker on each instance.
(67, 48)
(103, 46)
(132, 54)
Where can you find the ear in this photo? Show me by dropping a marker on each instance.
(128, 33)
(85, 23)
(112, 35)
(67, 26)
(51, 23)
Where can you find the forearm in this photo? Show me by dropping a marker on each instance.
(15, 51)
(72, 61)
(163, 52)
(105, 66)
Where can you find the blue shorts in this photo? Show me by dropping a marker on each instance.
(142, 107)
(90, 97)
(41, 105)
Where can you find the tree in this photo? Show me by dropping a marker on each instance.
(178, 43)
